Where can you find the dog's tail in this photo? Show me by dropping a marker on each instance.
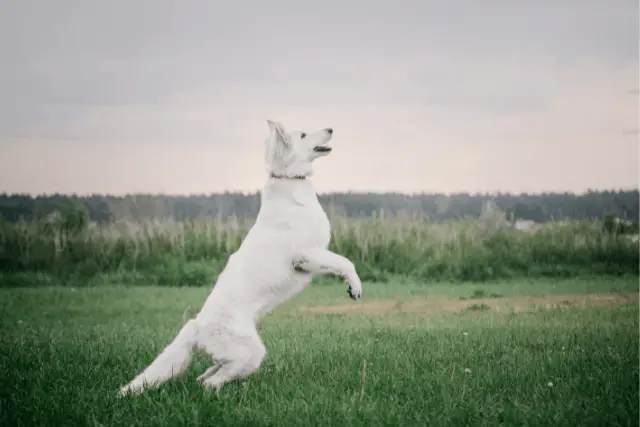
(172, 362)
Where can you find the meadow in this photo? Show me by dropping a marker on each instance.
(462, 323)
(536, 352)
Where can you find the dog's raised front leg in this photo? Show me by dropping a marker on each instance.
(323, 261)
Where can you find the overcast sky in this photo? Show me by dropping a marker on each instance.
(165, 96)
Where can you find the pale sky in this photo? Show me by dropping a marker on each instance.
(427, 95)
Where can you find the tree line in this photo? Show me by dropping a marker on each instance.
(537, 207)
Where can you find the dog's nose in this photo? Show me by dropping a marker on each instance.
(329, 130)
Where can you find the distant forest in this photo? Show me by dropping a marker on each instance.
(537, 207)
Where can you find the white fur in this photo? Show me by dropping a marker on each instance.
(282, 252)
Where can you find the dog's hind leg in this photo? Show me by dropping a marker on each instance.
(209, 372)
(172, 362)
(237, 356)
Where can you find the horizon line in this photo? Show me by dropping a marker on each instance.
(341, 192)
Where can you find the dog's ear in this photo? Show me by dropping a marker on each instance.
(278, 131)
(277, 146)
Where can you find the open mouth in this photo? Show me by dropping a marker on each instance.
(321, 149)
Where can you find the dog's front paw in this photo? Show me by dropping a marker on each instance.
(355, 292)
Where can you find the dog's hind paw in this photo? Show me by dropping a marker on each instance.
(130, 389)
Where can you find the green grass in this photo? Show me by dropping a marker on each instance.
(383, 249)
(64, 352)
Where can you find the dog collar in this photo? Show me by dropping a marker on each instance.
(288, 177)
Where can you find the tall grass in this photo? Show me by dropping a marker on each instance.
(193, 253)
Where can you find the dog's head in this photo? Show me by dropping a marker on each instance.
(290, 154)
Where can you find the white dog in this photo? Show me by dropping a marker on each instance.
(282, 252)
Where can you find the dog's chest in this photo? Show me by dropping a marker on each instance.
(315, 230)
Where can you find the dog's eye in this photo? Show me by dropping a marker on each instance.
(302, 135)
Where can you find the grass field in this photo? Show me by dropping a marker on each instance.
(534, 352)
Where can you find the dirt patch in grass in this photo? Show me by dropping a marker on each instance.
(421, 305)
